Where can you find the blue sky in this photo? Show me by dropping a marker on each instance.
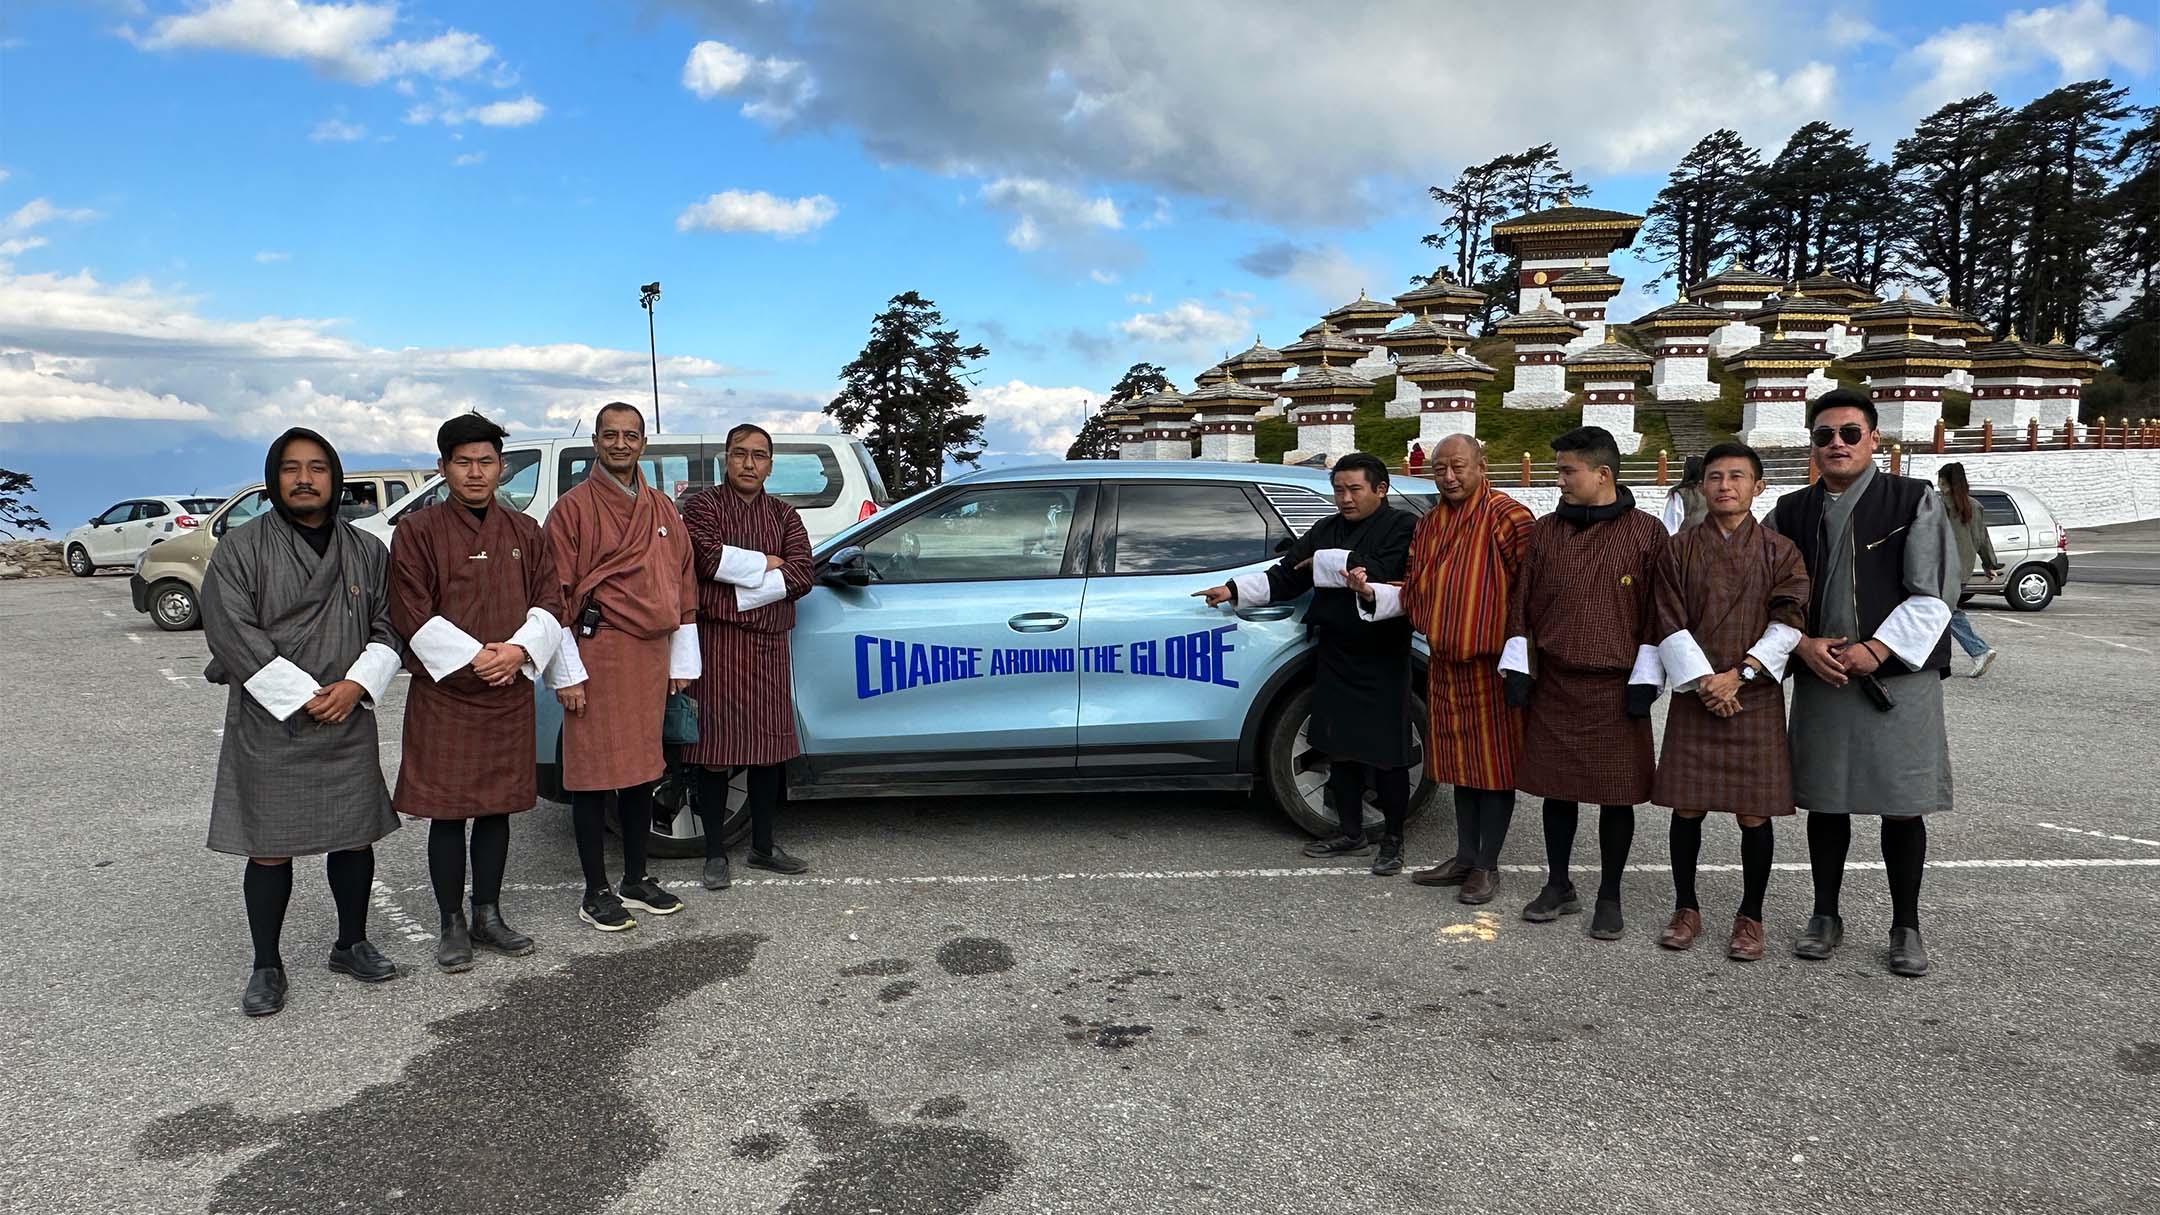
(223, 217)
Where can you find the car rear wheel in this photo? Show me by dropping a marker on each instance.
(678, 830)
(172, 606)
(78, 561)
(1295, 774)
(2031, 589)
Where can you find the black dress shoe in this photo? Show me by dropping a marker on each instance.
(1605, 922)
(718, 876)
(1908, 954)
(364, 962)
(1820, 938)
(265, 992)
(1551, 903)
(488, 929)
(1341, 845)
(1389, 862)
(453, 952)
(778, 860)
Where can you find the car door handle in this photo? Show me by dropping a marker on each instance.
(1279, 611)
(1038, 622)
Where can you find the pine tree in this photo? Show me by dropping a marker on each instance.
(906, 395)
(2051, 217)
(1696, 220)
(1469, 206)
(15, 509)
(1944, 169)
(1803, 191)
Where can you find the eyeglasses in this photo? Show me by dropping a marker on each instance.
(1850, 432)
(749, 456)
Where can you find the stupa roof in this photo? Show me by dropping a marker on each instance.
(1683, 315)
(1447, 367)
(1999, 357)
(1418, 337)
(1798, 304)
(1364, 310)
(1326, 384)
(1322, 344)
(1609, 358)
(1438, 293)
(1229, 393)
(1778, 353)
(1538, 321)
(1256, 355)
(1907, 312)
(1834, 288)
(1167, 401)
(1737, 279)
(1587, 280)
(1614, 229)
(1908, 352)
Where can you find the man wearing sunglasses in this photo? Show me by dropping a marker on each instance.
(1867, 731)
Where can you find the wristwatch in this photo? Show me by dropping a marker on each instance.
(1748, 672)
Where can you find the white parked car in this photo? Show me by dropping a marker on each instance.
(829, 478)
(2029, 541)
(126, 530)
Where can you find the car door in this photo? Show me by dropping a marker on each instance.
(107, 536)
(958, 660)
(1166, 681)
(2007, 531)
(152, 523)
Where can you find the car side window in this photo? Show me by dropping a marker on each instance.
(989, 534)
(395, 490)
(1187, 529)
(359, 500)
(521, 478)
(243, 510)
(806, 476)
(151, 510)
(118, 514)
(1997, 510)
(673, 470)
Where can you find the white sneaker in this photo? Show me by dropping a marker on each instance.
(1982, 663)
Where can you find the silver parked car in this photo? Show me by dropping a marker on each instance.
(126, 530)
(2029, 541)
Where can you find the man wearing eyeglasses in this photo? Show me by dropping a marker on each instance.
(1867, 733)
(753, 562)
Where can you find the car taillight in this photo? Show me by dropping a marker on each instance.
(185, 521)
(869, 508)
(2062, 539)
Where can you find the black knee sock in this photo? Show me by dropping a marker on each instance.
(1560, 820)
(267, 890)
(763, 791)
(1496, 808)
(712, 796)
(588, 819)
(352, 879)
(634, 807)
(1829, 838)
(1392, 786)
(446, 865)
(1904, 854)
(1757, 846)
(1616, 834)
(1466, 825)
(490, 856)
(1686, 850)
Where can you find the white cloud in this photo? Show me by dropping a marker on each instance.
(1141, 298)
(1844, 29)
(343, 41)
(469, 158)
(2080, 39)
(451, 111)
(337, 130)
(1167, 96)
(1102, 277)
(1190, 328)
(777, 87)
(1033, 419)
(18, 226)
(757, 211)
(3, 176)
(1329, 276)
(267, 256)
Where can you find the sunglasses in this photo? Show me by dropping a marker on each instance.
(1850, 432)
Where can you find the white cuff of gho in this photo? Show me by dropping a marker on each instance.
(1252, 590)
(540, 636)
(1515, 655)
(281, 688)
(1775, 649)
(1386, 604)
(1647, 667)
(1913, 627)
(739, 566)
(373, 670)
(1684, 661)
(683, 659)
(568, 670)
(1328, 565)
(443, 648)
(771, 589)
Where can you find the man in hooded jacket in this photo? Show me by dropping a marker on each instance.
(296, 610)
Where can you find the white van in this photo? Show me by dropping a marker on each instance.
(829, 478)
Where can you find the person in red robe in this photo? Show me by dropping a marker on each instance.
(1731, 600)
(1581, 660)
(629, 613)
(757, 553)
(467, 568)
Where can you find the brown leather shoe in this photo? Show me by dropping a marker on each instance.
(1746, 940)
(1681, 933)
(1479, 887)
(1450, 872)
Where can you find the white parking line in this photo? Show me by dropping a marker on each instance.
(167, 672)
(2100, 835)
(1190, 875)
(135, 637)
(2034, 624)
(407, 927)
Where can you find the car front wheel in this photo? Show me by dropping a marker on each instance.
(172, 606)
(678, 830)
(1295, 774)
(78, 561)
(2031, 590)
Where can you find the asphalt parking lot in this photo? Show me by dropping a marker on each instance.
(1073, 1005)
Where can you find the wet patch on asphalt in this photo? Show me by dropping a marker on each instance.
(477, 1121)
(975, 956)
(2139, 1058)
(761, 1146)
(894, 992)
(942, 1107)
(880, 967)
(897, 1168)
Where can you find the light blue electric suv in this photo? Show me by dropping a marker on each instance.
(1033, 629)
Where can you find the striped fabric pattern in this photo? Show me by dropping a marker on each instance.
(1463, 563)
(746, 710)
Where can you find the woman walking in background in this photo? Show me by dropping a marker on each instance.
(1686, 506)
(1970, 530)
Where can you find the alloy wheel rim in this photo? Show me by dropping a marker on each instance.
(1309, 768)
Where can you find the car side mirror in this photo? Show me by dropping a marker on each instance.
(849, 567)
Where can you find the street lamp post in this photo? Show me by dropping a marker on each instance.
(646, 295)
